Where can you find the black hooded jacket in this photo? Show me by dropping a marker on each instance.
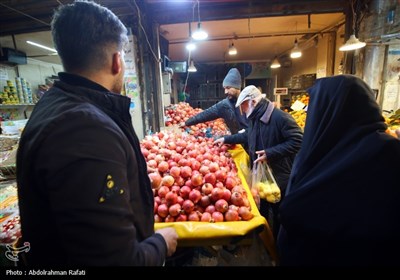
(342, 202)
(84, 194)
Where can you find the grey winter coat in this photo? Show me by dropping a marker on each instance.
(276, 132)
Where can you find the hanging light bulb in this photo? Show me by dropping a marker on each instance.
(275, 63)
(352, 43)
(296, 52)
(232, 50)
(190, 46)
(192, 68)
(199, 34)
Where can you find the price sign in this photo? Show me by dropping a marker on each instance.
(281, 91)
(298, 105)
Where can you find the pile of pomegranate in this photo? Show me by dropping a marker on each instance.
(193, 180)
(181, 112)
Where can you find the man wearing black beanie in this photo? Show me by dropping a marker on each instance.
(225, 108)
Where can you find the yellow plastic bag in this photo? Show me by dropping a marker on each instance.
(264, 183)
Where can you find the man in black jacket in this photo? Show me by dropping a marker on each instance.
(84, 194)
(225, 108)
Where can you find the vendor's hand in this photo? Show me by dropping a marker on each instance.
(181, 124)
(219, 141)
(171, 239)
(261, 156)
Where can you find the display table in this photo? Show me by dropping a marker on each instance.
(195, 234)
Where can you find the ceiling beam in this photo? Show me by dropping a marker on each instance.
(167, 14)
(25, 16)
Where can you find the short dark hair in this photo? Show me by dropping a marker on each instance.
(82, 32)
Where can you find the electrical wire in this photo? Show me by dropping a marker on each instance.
(24, 14)
(144, 32)
(198, 10)
(190, 52)
(188, 73)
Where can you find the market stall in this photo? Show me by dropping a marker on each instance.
(226, 233)
(182, 160)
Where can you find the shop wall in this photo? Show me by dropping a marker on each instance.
(306, 64)
(391, 96)
(326, 50)
(35, 72)
(339, 56)
(6, 73)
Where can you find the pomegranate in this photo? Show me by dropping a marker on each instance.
(205, 201)
(237, 199)
(162, 210)
(157, 218)
(175, 189)
(171, 198)
(175, 171)
(152, 163)
(195, 196)
(204, 169)
(206, 217)
(171, 163)
(207, 188)
(196, 165)
(186, 172)
(167, 181)
(245, 214)
(221, 205)
(175, 210)
(145, 152)
(184, 192)
(197, 180)
(179, 181)
(155, 207)
(220, 175)
(210, 209)
(162, 191)
(181, 218)
(230, 183)
(210, 178)
(159, 158)
(180, 200)
(184, 162)
(155, 179)
(188, 206)
(213, 167)
(194, 217)
(169, 219)
(226, 194)
(231, 215)
(217, 217)
(217, 194)
(171, 145)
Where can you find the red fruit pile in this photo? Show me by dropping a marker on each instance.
(193, 180)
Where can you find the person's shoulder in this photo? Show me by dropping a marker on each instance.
(226, 102)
